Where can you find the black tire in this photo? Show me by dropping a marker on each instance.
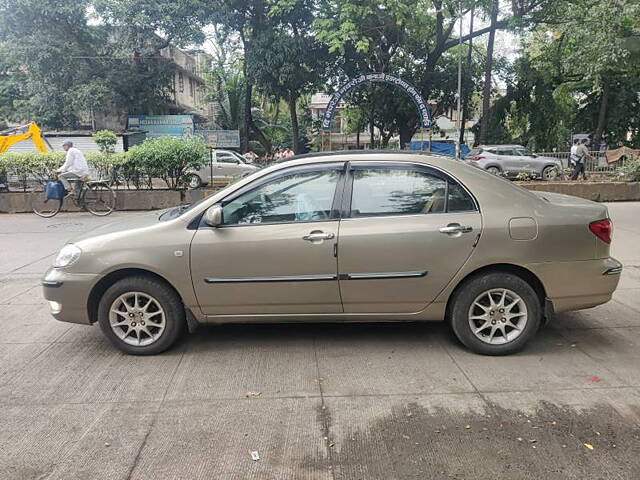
(467, 294)
(174, 314)
(494, 170)
(193, 181)
(40, 205)
(99, 199)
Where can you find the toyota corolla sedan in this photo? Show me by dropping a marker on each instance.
(343, 238)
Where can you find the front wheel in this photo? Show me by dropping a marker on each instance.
(141, 315)
(41, 205)
(495, 313)
(99, 199)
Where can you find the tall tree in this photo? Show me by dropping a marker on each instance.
(488, 70)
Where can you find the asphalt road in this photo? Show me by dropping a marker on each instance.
(329, 401)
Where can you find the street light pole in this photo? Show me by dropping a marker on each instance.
(459, 119)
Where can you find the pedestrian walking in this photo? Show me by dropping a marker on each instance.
(574, 150)
(582, 153)
(74, 168)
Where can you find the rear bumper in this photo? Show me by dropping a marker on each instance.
(578, 285)
(68, 294)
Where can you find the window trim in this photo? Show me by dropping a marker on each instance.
(337, 194)
(428, 169)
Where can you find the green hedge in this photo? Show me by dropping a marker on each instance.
(167, 158)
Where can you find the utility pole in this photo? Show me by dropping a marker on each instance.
(459, 119)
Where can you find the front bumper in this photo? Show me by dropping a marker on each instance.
(68, 294)
(578, 285)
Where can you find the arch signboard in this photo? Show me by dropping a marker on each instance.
(377, 77)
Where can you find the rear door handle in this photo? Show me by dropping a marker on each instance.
(318, 236)
(456, 228)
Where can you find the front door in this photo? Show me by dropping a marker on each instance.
(408, 231)
(275, 251)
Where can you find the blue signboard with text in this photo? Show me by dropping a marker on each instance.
(162, 125)
(220, 138)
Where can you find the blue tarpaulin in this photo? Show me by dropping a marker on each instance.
(443, 148)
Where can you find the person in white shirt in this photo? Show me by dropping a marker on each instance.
(75, 166)
(574, 153)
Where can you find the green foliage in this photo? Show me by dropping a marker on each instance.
(631, 169)
(168, 158)
(106, 140)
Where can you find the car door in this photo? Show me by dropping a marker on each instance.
(509, 160)
(527, 161)
(226, 166)
(405, 233)
(275, 250)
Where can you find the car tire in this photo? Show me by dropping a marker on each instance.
(193, 181)
(547, 172)
(147, 332)
(494, 170)
(479, 323)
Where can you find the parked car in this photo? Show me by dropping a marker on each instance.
(347, 238)
(510, 160)
(227, 165)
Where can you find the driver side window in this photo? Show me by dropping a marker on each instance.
(305, 196)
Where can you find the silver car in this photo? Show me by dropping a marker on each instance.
(227, 166)
(510, 160)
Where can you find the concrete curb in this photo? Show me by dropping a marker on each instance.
(596, 191)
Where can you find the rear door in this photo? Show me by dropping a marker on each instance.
(406, 231)
(227, 166)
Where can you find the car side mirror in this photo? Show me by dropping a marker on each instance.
(213, 216)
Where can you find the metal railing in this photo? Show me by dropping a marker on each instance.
(596, 164)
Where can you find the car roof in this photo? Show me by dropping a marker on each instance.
(373, 155)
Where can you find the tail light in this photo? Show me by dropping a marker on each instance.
(476, 158)
(603, 229)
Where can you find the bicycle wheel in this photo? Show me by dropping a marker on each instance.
(42, 206)
(99, 199)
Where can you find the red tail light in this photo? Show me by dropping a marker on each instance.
(476, 158)
(603, 229)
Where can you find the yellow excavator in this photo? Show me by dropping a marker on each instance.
(25, 132)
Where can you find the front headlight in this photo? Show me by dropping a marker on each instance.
(68, 255)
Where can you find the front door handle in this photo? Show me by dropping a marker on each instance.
(456, 229)
(318, 236)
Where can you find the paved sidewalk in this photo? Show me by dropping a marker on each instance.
(348, 402)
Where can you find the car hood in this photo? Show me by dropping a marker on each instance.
(130, 223)
(561, 200)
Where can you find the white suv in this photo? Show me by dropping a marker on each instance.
(511, 160)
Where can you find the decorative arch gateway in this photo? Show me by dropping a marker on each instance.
(376, 77)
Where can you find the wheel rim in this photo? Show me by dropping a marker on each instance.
(41, 205)
(194, 181)
(493, 170)
(498, 316)
(137, 319)
(99, 199)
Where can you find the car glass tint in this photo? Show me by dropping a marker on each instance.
(298, 197)
(226, 158)
(459, 199)
(379, 192)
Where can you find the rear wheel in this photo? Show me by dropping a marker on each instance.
(495, 313)
(99, 199)
(549, 172)
(141, 315)
(493, 170)
(42, 206)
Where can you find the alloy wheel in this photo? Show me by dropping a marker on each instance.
(137, 318)
(498, 316)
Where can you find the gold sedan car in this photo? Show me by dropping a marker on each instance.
(344, 238)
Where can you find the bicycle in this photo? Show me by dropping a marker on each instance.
(96, 197)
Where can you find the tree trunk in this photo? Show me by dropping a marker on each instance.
(465, 98)
(406, 133)
(486, 93)
(246, 115)
(295, 131)
(371, 130)
(602, 117)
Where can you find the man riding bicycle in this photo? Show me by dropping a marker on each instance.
(75, 166)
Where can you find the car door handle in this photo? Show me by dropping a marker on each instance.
(454, 228)
(317, 236)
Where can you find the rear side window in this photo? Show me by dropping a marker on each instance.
(388, 191)
(459, 199)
